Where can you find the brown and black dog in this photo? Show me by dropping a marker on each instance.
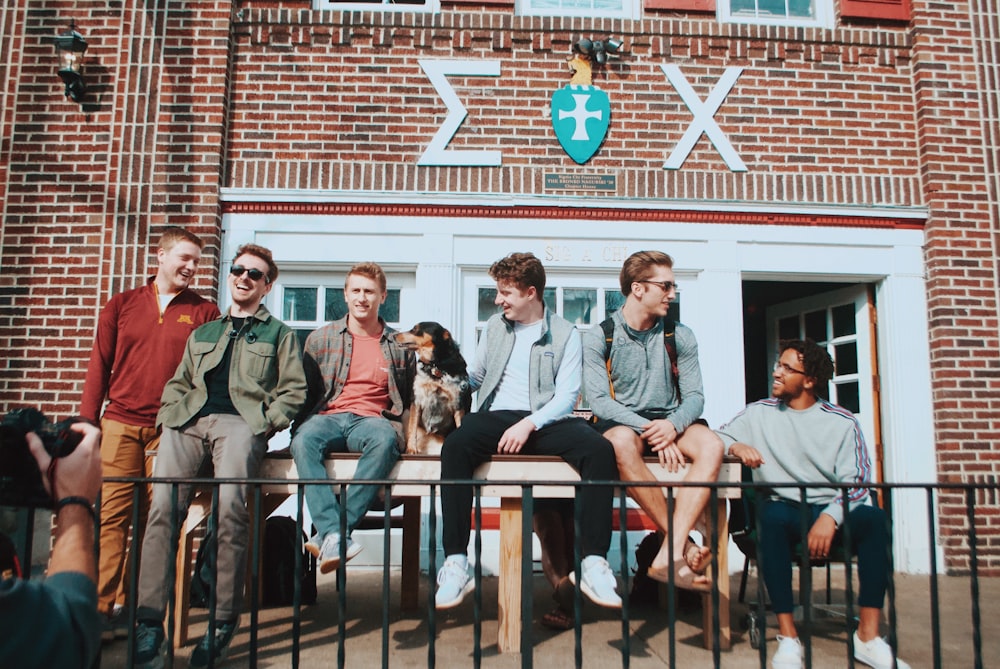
(441, 392)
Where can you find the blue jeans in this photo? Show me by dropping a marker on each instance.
(781, 531)
(373, 437)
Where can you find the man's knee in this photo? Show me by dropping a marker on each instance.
(702, 446)
(627, 445)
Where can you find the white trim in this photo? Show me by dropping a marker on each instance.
(429, 6)
(713, 261)
(825, 17)
(629, 9)
(316, 196)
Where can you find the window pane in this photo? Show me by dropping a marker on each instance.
(848, 396)
(843, 321)
(577, 305)
(613, 301)
(549, 296)
(816, 326)
(846, 358)
(335, 305)
(299, 304)
(788, 328)
(389, 311)
(486, 307)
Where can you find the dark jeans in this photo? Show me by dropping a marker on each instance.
(781, 531)
(572, 439)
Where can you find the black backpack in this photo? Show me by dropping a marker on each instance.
(281, 543)
(277, 567)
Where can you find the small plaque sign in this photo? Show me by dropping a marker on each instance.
(593, 182)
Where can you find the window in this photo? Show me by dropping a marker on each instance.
(428, 6)
(814, 13)
(306, 305)
(620, 9)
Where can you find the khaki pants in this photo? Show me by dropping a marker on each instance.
(235, 453)
(124, 451)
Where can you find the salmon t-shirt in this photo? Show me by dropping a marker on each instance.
(366, 392)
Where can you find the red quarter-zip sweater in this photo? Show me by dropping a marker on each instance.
(137, 350)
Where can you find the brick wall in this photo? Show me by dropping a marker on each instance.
(86, 188)
(955, 75)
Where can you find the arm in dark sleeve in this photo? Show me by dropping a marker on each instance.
(50, 623)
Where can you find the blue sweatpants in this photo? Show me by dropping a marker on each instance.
(781, 532)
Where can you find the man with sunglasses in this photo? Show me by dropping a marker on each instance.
(796, 436)
(240, 381)
(140, 339)
(644, 405)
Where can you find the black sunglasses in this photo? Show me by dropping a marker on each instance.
(254, 274)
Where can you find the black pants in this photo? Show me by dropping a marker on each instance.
(572, 439)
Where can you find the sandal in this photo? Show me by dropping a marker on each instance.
(683, 577)
(557, 619)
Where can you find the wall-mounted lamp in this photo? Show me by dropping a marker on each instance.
(70, 47)
(598, 50)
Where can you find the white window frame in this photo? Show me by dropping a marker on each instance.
(824, 18)
(630, 9)
(429, 6)
(402, 281)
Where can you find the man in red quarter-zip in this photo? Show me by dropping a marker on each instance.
(140, 340)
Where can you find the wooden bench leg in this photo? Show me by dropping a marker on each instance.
(410, 577)
(721, 551)
(509, 628)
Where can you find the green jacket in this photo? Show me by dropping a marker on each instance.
(266, 381)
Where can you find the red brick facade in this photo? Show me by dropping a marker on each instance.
(189, 98)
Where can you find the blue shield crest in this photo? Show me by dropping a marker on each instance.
(580, 116)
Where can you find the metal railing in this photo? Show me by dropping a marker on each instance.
(113, 655)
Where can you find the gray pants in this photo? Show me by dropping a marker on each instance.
(236, 453)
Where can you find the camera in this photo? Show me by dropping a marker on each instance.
(20, 480)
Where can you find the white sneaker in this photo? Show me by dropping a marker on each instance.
(598, 582)
(789, 653)
(454, 583)
(876, 653)
(328, 553)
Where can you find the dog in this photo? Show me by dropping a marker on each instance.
(441, 391)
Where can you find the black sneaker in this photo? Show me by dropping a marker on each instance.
(150, 646)
(224, 633)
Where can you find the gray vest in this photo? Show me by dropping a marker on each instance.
(546, 356)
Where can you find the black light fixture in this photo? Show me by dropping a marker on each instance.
(598, 50)
(70, 47)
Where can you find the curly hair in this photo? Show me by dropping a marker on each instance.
(816, 362)
(262, 253)
(523, 270)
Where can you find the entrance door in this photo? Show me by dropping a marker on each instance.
(843, 321)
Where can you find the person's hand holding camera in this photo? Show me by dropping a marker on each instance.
(77, 475)
(74, 482)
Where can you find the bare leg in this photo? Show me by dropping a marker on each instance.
(786, 625)
(869, 619)
(704, 449)
(557, 556)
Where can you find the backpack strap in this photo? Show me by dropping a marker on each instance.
(670, 343)
(608, 326)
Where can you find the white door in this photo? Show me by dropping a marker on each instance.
(843, 322)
